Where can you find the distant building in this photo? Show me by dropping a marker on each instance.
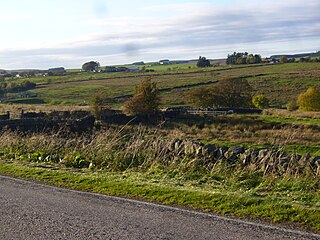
(138, 63)
(164, 62)
(133, 69)
(58, 69)
(110, 69)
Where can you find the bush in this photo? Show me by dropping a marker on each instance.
(260, 101)
(292, 105)
(100, 104)
(146, 100)
(309, 100)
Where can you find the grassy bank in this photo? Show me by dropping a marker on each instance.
(294, 202)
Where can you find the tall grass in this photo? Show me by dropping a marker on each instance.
(141, 149)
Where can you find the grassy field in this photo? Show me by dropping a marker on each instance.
(280, 82)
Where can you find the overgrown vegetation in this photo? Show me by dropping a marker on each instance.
(136, 162)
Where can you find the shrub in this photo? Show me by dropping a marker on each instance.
(309, 100)
(260, 101)
(146, 100)
(100, 104)
(292, 105)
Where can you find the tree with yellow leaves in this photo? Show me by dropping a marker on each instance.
(145, 101)
(309, 100)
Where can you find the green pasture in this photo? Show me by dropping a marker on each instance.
(279, 82)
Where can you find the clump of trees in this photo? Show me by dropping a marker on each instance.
(145, 101)
(243, 58)
(309, 100)
(260, 101)
(228, 93)
(90, 66)
(203, 62)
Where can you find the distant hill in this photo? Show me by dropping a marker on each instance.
(299, 55)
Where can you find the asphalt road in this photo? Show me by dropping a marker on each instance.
(33, 211)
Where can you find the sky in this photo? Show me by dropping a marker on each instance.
(42, 34)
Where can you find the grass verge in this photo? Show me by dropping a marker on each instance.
(291, 201)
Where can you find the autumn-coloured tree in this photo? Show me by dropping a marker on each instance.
(309, 100)
(260, 101)
(145, 101)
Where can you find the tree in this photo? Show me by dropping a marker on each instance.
(243, 58)
(90, 66)
(228, 93)
(234, 93)
(260, 101)
(203, 62)
(257, 58)
(145, 101)
(203, 97)
(309, 100)
(250, 59)
(283, 59)
(100, 104)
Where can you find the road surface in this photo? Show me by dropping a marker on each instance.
(34, 211)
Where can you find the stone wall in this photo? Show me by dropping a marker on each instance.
(78, 121)
(267, 161)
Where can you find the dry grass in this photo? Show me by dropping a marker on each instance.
(293, 114)
(251, 131)
(142, 148)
